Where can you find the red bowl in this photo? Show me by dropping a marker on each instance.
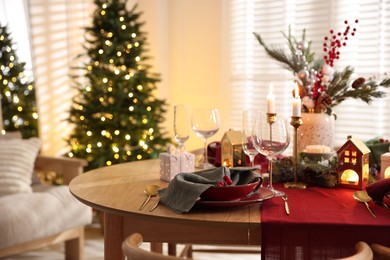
(234, 192)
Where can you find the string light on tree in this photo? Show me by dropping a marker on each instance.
(116, 116)
(18, 110)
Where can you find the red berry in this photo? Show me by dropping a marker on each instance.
(220, 184)
(227, 179)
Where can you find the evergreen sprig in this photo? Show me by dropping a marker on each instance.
(291, 60)
(335, 91)
(340, 88)
(315, 172)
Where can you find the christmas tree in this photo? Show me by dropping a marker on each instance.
(115, 113)
(17, 93)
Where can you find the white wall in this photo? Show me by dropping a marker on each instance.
(186, 43)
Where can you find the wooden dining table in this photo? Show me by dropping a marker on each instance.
(118, 192)
(324, 223)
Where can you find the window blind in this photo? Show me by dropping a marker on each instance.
(252, 70)
(17, 27)
(57, 30)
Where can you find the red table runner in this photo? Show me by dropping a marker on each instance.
(324, 223)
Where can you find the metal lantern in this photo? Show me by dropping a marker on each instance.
(353, 164)
(232, 154)
(385, 165)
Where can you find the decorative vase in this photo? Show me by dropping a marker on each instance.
(317, 129)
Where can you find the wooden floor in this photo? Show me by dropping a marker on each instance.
(94, 250)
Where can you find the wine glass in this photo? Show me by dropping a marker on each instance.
(205, 123)
(271, 138)
(181, 124)
(248, 121)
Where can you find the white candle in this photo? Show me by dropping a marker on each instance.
(271, 100)
(317, 149)
(296, 109)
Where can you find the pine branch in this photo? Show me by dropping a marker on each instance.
(278, 54)
(385, 83)
(290, 60)
(341, 90)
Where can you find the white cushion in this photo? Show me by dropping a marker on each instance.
(17, 158)
(47, 211)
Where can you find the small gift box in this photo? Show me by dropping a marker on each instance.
(175, 161)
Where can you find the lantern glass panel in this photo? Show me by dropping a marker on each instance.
(366, 172)
(350, 177)
(387, 172)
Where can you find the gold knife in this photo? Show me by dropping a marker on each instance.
(386, 207)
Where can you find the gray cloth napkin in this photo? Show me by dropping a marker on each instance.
(185, 188)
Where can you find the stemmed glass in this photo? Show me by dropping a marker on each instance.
(248, 121)
(181, 124)
(271, 138)
(205, 123)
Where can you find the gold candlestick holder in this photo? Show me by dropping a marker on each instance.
(271, 118)
(296, 122)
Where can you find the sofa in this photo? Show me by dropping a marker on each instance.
(34, 214)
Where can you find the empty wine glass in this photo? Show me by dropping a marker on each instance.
(181, 124)
(205, 123)
(271, 138)
(248, 121)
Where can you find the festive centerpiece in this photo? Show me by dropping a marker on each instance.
(320, 86)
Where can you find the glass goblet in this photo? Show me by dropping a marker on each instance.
(271, 138)
(181, 125)
(205, 123)
(248, 121)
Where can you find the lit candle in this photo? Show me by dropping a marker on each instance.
(270, 100)
(296, 102)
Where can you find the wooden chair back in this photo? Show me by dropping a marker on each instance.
(380, 252)
(131, 249)
(362, 252)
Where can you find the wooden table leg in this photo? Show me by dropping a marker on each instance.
(156, 247)
(113, 237)
(172, 249)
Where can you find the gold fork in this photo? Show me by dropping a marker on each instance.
(286, 207)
